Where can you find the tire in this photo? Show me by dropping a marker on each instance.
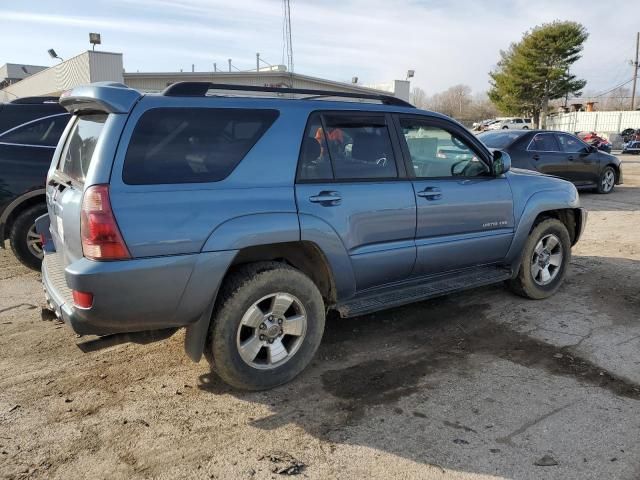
(505, 128)
(29, 253)
(607, 180)
(250, 290)
(525, 284)
(525, 128)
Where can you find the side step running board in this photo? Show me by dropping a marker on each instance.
(410, 292)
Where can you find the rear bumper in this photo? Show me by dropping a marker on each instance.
(135, 295)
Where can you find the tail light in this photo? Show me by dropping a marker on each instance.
(101, 238)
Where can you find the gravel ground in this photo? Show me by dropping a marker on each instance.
(480, 384)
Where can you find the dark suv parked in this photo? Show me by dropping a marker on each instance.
(29, 131)
(246, 219)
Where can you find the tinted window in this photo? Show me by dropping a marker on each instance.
(571, 144)
(358, 146)
(80, 144)
(315, 163)
(500, 139)
(437, 153)
(192, 145)
(44, 132)
(518, 120)
(544, 142)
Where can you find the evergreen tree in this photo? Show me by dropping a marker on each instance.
(537, 69)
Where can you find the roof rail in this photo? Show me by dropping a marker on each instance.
(200, 89)
(35, 100)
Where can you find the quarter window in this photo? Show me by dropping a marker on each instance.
(435, 152)
(44, 132)
(192, 145)
(80, 144)
(543, 142)
(571, 144)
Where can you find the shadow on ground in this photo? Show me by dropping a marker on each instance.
(421, 361)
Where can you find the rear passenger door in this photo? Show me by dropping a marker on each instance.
(546, 156)
(351, 177)
(464, 213)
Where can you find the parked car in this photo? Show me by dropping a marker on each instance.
(632, 147)
(246, 219)
(29, 131)
(510, 123)
(561, 154)
(629, 134)
(592, 138)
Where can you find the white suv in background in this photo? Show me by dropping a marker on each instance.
(514, 123)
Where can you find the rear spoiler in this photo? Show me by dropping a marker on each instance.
(110, 97)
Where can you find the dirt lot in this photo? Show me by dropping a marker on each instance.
(476, 385)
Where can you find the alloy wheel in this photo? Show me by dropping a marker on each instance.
(34, 243)
(271, 331)
(546, 260)
(608, 180)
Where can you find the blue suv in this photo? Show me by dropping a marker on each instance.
(246, 219)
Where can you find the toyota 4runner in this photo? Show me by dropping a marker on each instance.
(246, 219)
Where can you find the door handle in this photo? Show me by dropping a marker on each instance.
(570, 158)
(326, 198)
(536, 157)
(430, 193)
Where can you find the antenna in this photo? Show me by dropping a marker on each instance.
(286, 33)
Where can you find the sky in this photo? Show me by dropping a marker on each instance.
(445, 42)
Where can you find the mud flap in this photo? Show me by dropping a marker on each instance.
(196, 335)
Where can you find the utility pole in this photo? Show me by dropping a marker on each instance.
(635, 73)
(257, 62)
(229, 65)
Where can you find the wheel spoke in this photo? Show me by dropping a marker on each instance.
(253, 317)
(33, 235)
(539, 248)
(556, 259)
(294, 325)
(276, 351)
(250, 348)
(552, 242)
(535, 270)
(281, 303)
(545, 275)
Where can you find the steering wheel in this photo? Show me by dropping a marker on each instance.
(461, 173)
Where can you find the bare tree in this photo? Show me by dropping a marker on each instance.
(419, 97)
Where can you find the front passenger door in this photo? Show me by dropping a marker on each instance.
(464, 213)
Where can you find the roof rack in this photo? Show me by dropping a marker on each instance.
(35, 100)
(200, 89)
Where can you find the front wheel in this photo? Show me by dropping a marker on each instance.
(607, 180)
(266, 327)
(545, 260)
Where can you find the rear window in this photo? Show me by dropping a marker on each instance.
(500, 139)
(43, 133)
(192, 145)
(80, 144)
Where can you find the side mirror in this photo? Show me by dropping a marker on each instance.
(501, 163)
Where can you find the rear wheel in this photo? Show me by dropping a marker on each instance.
(607, 180)
(25, 242)
(545, 260)
(266, 327)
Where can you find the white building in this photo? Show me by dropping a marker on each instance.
(92, 66)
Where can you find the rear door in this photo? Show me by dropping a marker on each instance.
(546, 156)
(581, 164)
(464, 214)
(351, 177)
(66, 184)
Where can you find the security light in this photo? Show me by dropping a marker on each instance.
(354, 80)
(410, 74)
(53, 54)
(94, 39)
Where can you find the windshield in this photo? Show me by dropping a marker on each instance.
(499, 139)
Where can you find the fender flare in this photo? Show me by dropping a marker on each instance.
(13, 205)
(540, 202)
